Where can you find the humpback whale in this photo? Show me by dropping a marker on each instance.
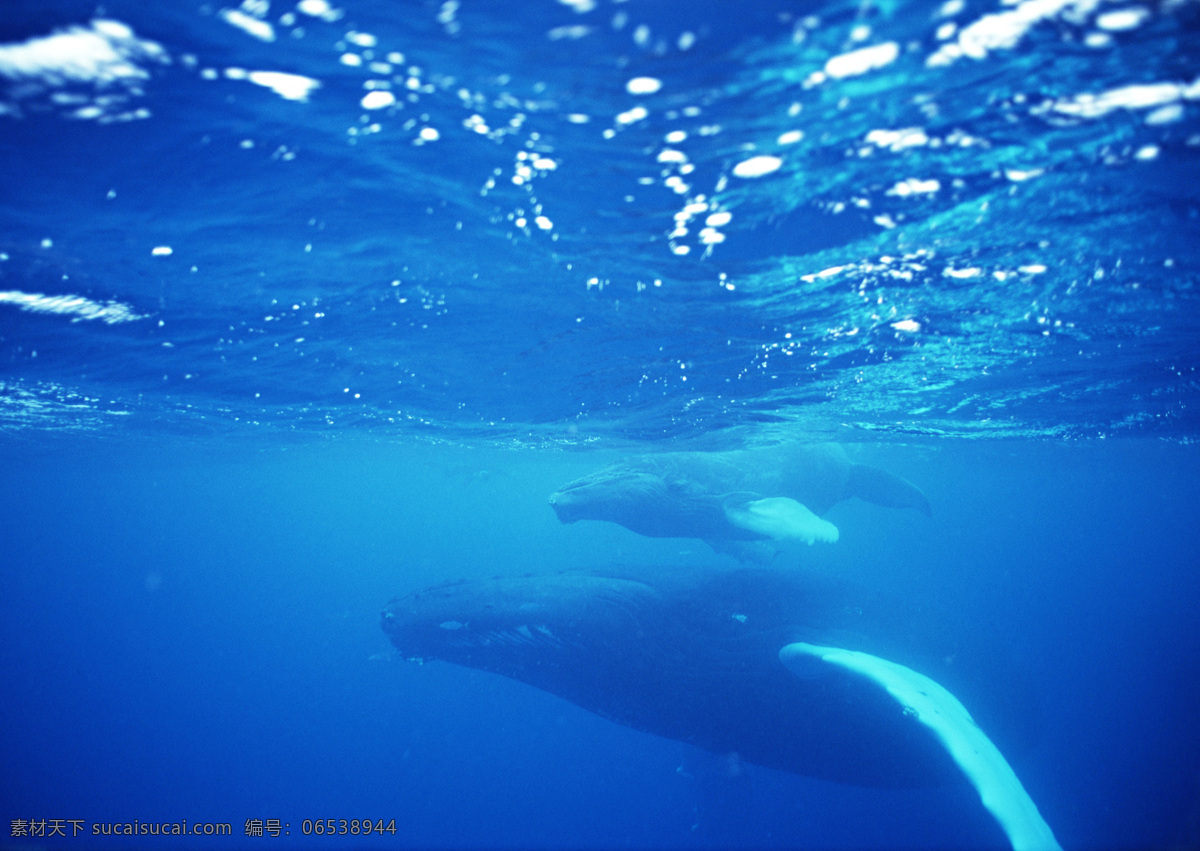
(775, 667)
(728, 498)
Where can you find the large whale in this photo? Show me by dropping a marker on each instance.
(724, 498)
(778, 668)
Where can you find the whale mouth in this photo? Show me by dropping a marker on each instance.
(565, 508)
(503, 624)
(583, 498)
(604, 493)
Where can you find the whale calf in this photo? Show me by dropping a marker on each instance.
(778, 668)
(729, 498)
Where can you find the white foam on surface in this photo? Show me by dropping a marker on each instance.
(379, 99)
(106, 52)
(1167, 114)
(915, 186)
(757, 166)
(643, 85)
(936, 708)
(362, 39)
(75, 306)
(898, 140)
(256, 27)
(1136, 96)
(314, 8)
(1004, 30)
(573, 32)
(106, 56)
(288, 86)
(860, 61)
(632, 115)
(1123, 20)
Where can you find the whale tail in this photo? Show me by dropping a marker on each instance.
(883, 488)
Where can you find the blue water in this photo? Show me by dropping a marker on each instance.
(276, 348)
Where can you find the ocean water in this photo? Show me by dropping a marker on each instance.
(303, 306)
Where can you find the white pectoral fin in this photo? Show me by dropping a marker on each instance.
(780, 519)
(980, 760)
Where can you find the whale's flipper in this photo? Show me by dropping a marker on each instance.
(940, 711)
(778, 518)
(886, 489)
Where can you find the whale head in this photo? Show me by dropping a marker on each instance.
(642, 501)
(513, 625)
(614, 493)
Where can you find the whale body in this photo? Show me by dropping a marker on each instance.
(745, 495)
(691, 656)
(773, 667)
